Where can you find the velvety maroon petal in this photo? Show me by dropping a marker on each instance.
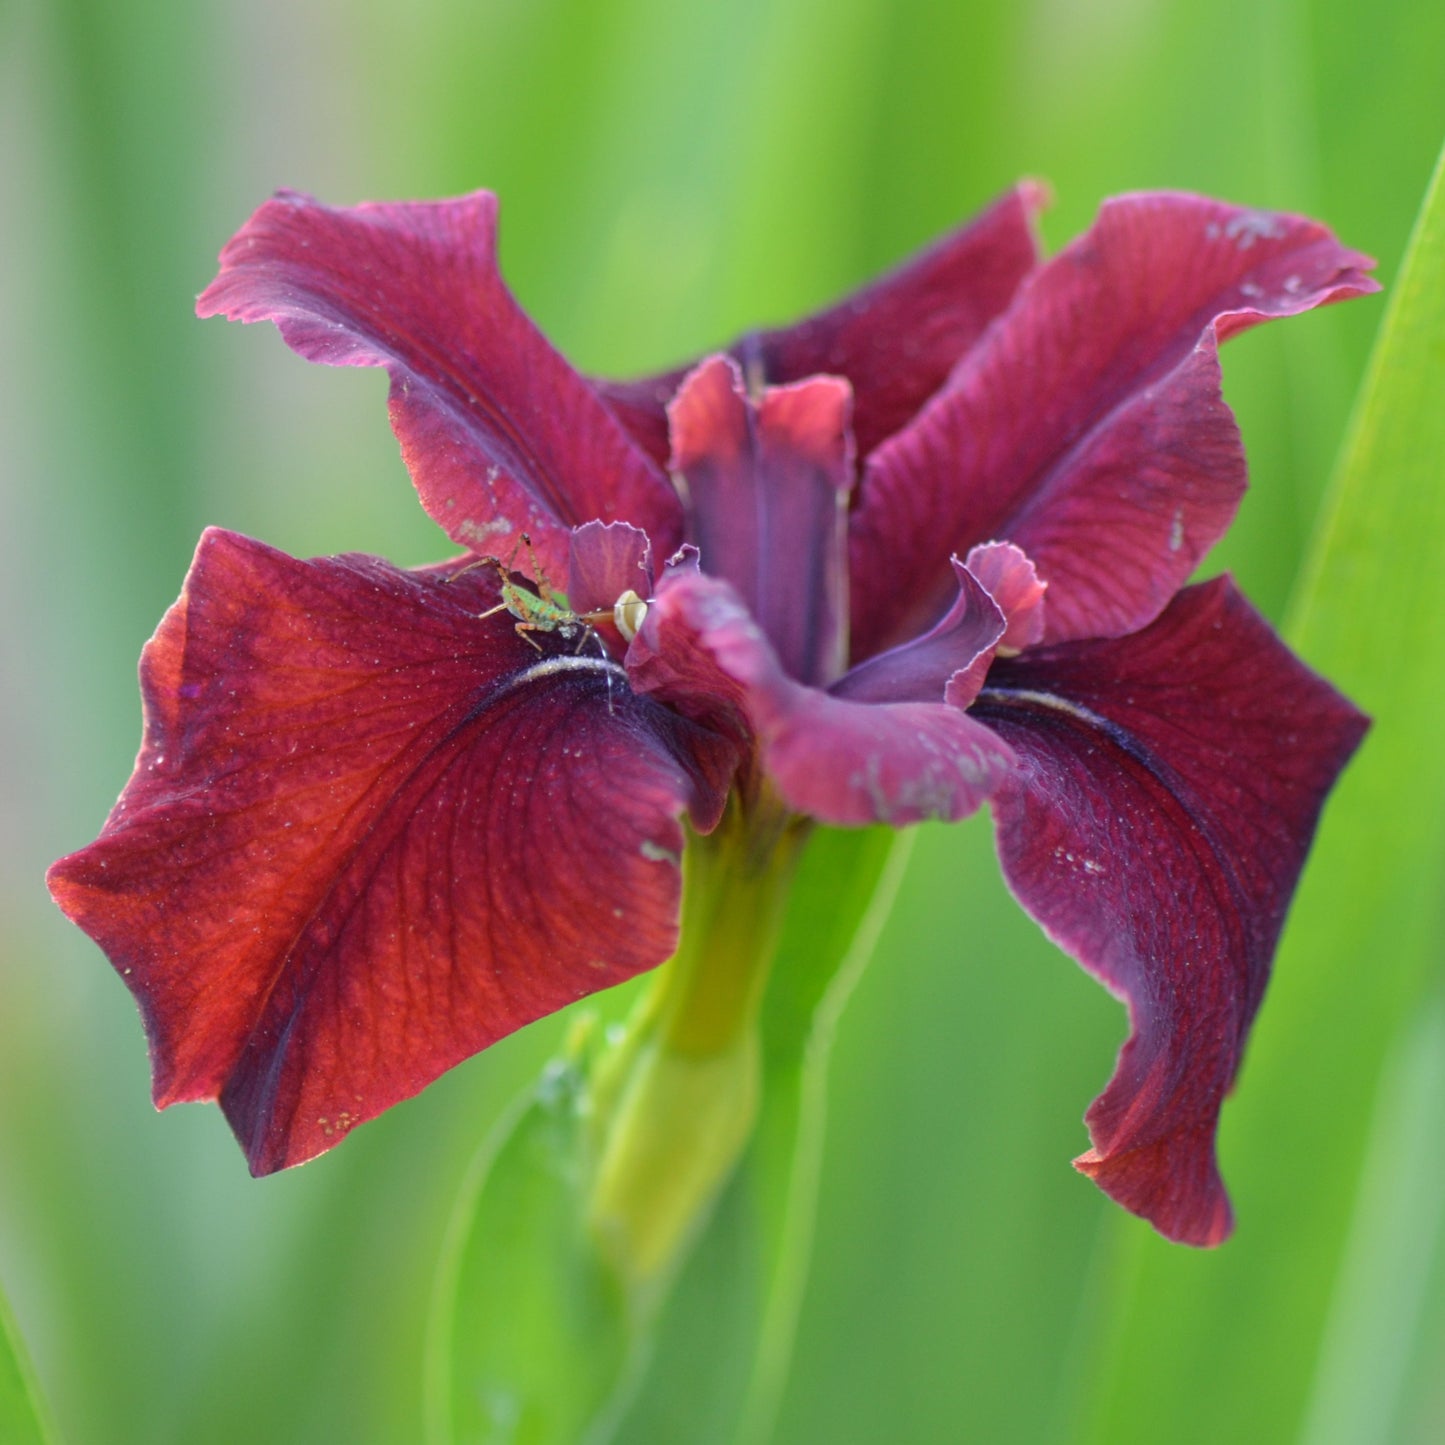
(370, 832)
(953, 656)
(497, 430)
(895, 340)
(1088, 426)
(842, 762)
(1169, 789)
(766, 481)
(607, 559)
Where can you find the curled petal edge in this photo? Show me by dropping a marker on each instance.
(842, 762)
(499, 433)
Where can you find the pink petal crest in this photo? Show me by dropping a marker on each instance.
(606, 560)
(948, 662)
(1013, 583)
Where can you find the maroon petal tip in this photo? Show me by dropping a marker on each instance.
(500, 435)
(1174, 1183)
(1169, 788)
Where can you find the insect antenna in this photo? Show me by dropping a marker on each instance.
(606, 657)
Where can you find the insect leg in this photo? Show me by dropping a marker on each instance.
(543, 586)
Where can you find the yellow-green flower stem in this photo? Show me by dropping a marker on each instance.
(676, 1102)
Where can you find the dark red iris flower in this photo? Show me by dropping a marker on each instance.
(922, 550)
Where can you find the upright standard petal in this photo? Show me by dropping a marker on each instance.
(766, 480)
(1088, 426)
(499, 434)
(370, 831)
(895, 341)
(1169, 789)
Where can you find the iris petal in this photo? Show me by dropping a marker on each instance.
(1088, 426)
(766, 480)
(839, 761)
(499, 433)
(949, 661)
(1169, 787)
(371, 832)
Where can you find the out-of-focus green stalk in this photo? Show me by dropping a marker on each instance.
(571, 1276)
(741, 1285)
(804, 1130)
(677, 1101)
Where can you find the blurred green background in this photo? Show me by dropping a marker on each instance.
(669, 174)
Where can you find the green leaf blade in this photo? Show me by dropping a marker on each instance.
(530, 1334)
(724, 1340)
(1358, 967)
(23, 1418)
